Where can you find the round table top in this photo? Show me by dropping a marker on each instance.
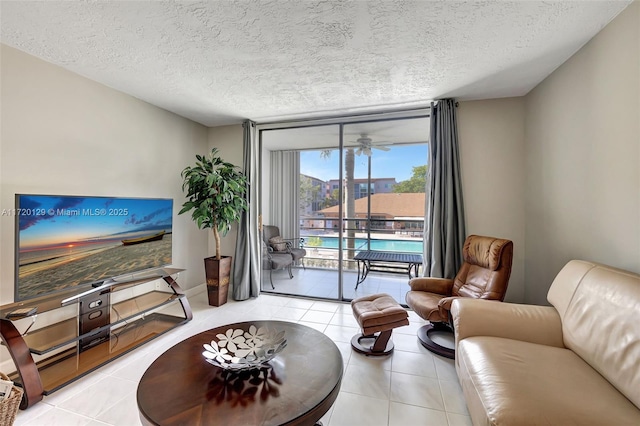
(298, 387)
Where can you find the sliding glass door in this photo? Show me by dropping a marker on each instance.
(339, 189)
(297, 164)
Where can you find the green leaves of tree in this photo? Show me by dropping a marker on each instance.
(215, 192)
(416, 183)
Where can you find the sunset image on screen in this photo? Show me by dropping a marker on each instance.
(65, 241)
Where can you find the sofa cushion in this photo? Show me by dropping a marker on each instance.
(600, 310)
(511, 382)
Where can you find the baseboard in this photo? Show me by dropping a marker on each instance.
(200, 288)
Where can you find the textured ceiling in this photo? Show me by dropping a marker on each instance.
(218, 62)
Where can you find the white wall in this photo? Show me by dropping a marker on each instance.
(65, 134)
(491, 138)
(583, 158)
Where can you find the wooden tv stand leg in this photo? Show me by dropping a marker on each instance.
(27, 370)
(186, 307)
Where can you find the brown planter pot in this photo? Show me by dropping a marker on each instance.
(217, 273)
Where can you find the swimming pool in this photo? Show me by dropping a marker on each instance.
(403, 246)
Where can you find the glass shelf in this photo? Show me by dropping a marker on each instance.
(109, 321)
(56, 336)
(70, 365)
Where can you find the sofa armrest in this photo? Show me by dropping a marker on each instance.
(528, 323)
(433, 285)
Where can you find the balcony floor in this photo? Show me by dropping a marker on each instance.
(323, 283)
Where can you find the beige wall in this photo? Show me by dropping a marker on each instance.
(583, 158)
(65, 134)
(491, 150)
(228, 140)
(555, 171)
(491, 138)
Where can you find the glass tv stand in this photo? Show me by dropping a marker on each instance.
(83, 330)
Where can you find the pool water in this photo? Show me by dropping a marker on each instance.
(361, 244)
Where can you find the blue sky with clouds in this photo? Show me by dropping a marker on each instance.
(398, 162)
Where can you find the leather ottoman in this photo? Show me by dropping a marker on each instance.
(377, 315)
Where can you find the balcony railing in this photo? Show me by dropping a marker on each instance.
(320, 238)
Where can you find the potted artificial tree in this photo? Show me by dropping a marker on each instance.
(215, 192)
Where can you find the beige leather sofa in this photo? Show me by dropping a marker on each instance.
(574, 363)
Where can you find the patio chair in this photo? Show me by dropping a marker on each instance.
(272, 261)
(293, 246)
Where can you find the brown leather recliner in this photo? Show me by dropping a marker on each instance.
(484, 275)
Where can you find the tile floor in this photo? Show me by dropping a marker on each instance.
(410, 387)
(323, 283)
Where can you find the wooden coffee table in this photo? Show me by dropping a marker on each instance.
(297, 388)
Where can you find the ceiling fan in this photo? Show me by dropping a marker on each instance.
(365, 143)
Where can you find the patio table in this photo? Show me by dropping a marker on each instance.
(382, 261)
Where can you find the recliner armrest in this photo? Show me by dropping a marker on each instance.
(444, 305)
(528, 323)
(432, 285)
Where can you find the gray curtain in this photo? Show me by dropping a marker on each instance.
(247, 265)
(444, 225)
(285, 193)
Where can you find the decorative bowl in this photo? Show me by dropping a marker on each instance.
(238, 349)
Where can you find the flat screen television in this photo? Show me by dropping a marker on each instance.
(63, 241)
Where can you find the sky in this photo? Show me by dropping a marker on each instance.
(397, 163)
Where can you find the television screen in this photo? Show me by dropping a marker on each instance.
(65, 241)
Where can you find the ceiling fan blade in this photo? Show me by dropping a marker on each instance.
(365, 143)
(363, 151)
